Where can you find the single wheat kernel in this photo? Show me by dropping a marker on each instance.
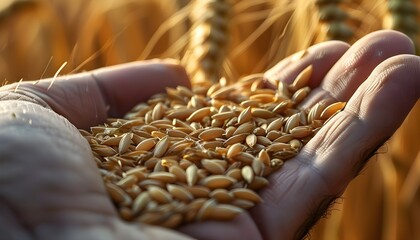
(277, 147)
(251, 140)
(258, 167)
(104, 151)
(292, 122)
(224, 211)
(235, 173)
(246, 194)
(158, 111)
(264, 157)
(242, 203)
(176, 133)
(146, 144)
(161, 147)
(211, 134)
(223, 116)
(244, 128)
(217, 181)
(275, 163)
(301, 131)
(275, 125)
(165, 177)
(284, 139)
(199, 191)
(214, 166)
(172, 221)
(140, 202)
(265, 141)
(331, 110)
(302, 79)
(258, 183)
(205, 210)
(180, 192)
(244, 157)
(118, 195)
(221, 195)
(158, 167)
(263, 97)
(295, 144)
(239, 138)
(192, 175)
(300, 94)
(274, 134)
(181, 114)
(113, 141)
(262, 113)
(159, 195)
(179, 173)
(127, 181)
(234, 150)
(247, 174)
(245, 116)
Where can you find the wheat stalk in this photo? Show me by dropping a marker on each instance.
(401, 16)
(208, 40)
(333, 20)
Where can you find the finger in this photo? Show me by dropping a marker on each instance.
(357, 63)
(371, 116)
(126, 85)
(87, 99)
(322, 56)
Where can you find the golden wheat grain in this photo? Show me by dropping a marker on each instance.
(190, 151)
(331, 110)
(191, 174)
(217, 181)
(180, 193)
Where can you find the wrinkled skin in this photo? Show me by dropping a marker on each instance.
(50, 187)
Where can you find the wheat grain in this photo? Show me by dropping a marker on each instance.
(200, 154)
(217, 181)
(180, 192)
(221, 195)
(246, 194)
(247, 174)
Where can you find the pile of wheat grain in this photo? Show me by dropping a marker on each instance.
(185, 156)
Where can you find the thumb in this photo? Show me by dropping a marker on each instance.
(87, 99)
(125, 85)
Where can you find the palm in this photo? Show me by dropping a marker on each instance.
(60, 192)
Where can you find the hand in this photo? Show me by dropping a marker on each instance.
(380, 84)
(50, 187)
(41, 196)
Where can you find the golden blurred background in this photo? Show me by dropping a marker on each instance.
(38, 36)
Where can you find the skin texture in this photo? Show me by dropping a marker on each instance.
(50, 187)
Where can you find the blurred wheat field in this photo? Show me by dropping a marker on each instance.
(38, 36)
